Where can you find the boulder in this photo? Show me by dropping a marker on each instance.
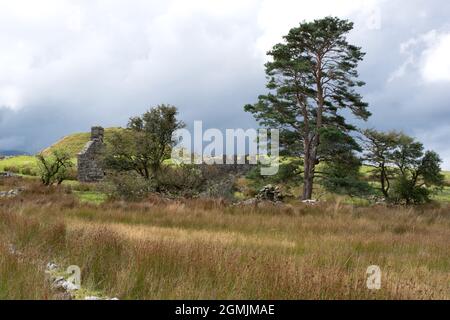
(310, 202)
(270, 193)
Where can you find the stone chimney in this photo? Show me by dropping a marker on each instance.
(89, 166)
(97, 134)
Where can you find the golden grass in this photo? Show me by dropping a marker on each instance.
(200, 249)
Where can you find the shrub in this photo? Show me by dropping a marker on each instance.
(183, 180)
(54, 168)
(224, 188)
(29, 171)
(127, 186)
(405, 191)
(12, 169)
(71, 174)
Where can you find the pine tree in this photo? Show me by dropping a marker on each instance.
(312, 77)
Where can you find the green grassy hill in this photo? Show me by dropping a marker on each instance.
(74, 143)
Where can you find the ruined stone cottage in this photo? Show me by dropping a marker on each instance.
(89, 166)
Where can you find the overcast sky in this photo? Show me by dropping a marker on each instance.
(66, 65)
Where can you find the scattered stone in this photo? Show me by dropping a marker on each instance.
(310, 202)
(7, 174)
(11, 193)
(94, 298)
(51, 267)
(270, 193)
(59, 283)
(12, 249)
(67, 290)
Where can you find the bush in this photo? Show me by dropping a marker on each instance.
(28, 171)
(223, 188)
(54, 168)
(12, 169)
(71, 174)
(405, 191)
(183, 180)
(127, 186)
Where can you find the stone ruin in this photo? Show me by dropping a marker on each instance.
(270, 193)
(89, 166)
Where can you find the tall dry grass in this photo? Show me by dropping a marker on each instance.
(206, 249)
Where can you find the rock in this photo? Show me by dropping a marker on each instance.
(51, 267)
(66, 288)
(7, 174)
(270, 193)
(12, 249)
(62, 284)
(94, 298)
(311, 202)
(11, 193)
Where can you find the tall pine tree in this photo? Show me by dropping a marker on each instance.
(312, 76)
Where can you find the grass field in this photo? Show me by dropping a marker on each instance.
(19, 162)
(201, 249)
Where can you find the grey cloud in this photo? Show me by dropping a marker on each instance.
(125, 58)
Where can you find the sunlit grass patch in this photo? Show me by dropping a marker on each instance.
(207, 249)
(91, 196)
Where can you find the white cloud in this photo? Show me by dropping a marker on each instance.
(58, 48)
(436, 65)
(10, 97)
(428, 54)
(277, 17)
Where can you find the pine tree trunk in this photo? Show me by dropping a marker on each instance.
(312, 141)
(383, 183)
(309, 173)
(307, 187)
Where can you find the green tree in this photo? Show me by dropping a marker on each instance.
(379, 150)
(341, 170)
(145, 144)
(311, 78)
(407, 174)
(420, 173)
(54, 168)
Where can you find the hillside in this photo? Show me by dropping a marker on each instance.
(74, 143)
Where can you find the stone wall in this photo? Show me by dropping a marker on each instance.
(89, 167)
(237, 165)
